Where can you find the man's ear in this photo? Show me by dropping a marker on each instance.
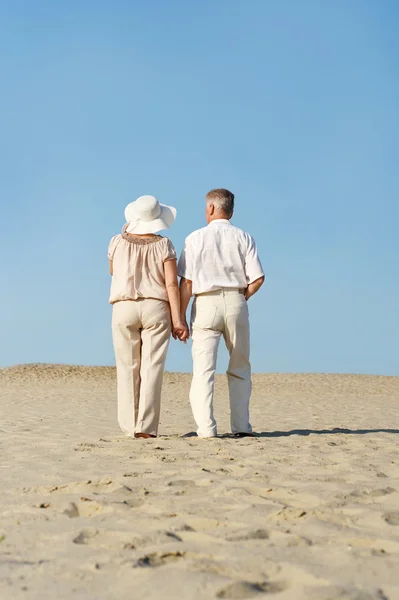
(211, 209)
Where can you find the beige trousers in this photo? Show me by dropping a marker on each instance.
(224, 312)
(141, 333)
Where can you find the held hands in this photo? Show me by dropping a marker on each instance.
(180, 331)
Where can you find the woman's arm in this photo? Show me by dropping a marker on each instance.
(111, 267)
(180, 328)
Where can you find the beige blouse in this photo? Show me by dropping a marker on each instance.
(138, 267)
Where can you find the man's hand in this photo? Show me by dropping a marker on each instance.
(254, 287)
(180, 331)
(185, 294)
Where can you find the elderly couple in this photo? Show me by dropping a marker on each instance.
(220, 267)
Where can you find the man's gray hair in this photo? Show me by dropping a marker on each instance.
(222, 200)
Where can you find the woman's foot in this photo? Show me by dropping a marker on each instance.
(146, 436)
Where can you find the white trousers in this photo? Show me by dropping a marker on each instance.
(224, 312)
(141, 333)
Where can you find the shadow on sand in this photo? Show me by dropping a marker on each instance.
(276, 434)
(334, 431)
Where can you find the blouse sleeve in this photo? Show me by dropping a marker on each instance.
(112, 246)
(170, 252)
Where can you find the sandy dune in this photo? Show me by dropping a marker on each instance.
(309, 509)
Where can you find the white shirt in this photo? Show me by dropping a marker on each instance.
(219, 256)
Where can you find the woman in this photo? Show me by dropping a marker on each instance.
(146, 308)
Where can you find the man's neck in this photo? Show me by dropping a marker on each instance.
(218, 219)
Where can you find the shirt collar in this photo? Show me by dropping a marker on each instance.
(220, 221)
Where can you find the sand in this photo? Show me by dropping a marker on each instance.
(309, 509)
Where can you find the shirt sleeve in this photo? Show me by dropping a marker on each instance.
(112, 246)
(253, 266)
(185, 265)
(170, 253)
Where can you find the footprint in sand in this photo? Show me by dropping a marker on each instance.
(258, 534)
(87, 447)
(85, 536)
(157, 537)
(123, 540)
(372, 493)
(73, 510)
(335, 593)
(106, 539)
(158, 560)
(182, 483)
(240, 590)
(183, 486)
(85, 508)
(289, 514)
(392, 518)
(134, 502)
(89, 486)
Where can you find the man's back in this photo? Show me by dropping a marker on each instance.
(219, 256)
(220, 267)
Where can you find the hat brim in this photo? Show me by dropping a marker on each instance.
(164, 221)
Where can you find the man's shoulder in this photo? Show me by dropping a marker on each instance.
(196, 234)
(207, 230)
(238, 230)
(241, 234)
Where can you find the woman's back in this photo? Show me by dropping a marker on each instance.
(145, 312)
(138, 266)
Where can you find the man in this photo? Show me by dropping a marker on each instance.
(220, 267)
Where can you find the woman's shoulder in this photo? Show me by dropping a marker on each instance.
(169, 252)
(161, 241)
(115, 241)
(116, 238)
(113, 244)
(166, 240)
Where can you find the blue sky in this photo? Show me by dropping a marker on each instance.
(292, 105)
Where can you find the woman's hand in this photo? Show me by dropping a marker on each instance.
(179, 325)
(180, 331)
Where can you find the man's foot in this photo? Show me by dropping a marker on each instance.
(243, 434)
(146, 436)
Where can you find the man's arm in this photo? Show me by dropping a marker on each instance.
(253, 269)
(254, 287)
(185, 271)
(186, 291)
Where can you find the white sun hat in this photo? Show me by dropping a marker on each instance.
(147, 215)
